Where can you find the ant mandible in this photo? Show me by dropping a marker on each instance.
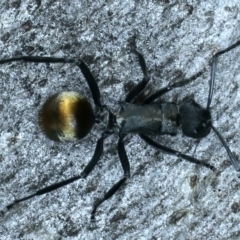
(68, 116)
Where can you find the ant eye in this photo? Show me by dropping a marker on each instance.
(66, 116)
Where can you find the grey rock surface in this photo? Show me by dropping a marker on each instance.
(166, 197)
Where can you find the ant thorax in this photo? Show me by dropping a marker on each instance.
(148, 119)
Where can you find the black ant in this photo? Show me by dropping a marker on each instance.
(67, 116)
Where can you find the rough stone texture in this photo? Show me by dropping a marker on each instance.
(166, 197)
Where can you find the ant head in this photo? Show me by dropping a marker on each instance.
(196, 120)
(66, 116)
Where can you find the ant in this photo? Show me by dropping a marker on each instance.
(68, 116)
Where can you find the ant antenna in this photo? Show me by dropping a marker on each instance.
(212, 80)
(213, 70)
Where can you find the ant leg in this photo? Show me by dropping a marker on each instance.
(174, 152)
(126, 169)
(170, 87)
(92, 83)
(141, 85)
(38, 59)
(97, 155)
